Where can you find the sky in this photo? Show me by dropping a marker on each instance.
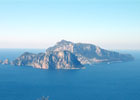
(110, 24)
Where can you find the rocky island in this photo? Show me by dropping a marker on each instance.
(69, 55)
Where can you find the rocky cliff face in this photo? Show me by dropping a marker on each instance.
(89, 53)
(49, 60)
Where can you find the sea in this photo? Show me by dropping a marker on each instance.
(106, 81)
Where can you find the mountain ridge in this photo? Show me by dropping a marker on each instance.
(89, 53)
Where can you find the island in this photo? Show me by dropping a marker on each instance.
(69, 55)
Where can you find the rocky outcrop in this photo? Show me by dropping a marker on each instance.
(6, 62)
(1, 61)
(89, 53)
(49, 60)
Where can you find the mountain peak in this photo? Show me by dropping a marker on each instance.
(64, 42)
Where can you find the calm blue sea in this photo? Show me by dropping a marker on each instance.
(117, 81)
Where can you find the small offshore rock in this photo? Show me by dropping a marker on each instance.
(6, 62)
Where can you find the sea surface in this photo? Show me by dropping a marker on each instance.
(115, 81)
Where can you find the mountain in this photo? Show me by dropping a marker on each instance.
(89, 53)
(49, 60)
(68, 55)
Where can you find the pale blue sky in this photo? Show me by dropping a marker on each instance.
(40, 23)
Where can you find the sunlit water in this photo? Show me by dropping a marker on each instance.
(117, 81)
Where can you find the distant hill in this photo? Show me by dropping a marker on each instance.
(68, 55)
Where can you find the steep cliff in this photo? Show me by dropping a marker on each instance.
(49, 60)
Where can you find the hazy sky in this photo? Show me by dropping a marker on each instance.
(40, 23)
